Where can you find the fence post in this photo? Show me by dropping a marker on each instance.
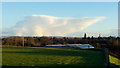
(106, 53)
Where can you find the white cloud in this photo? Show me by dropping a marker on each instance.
(43, 25)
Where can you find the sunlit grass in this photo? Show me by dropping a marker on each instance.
(114, 60)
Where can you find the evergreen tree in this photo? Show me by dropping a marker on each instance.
(85, 36)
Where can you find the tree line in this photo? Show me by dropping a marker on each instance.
(112, 43)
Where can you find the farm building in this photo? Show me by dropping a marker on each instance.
(56, 46)
(82, 46)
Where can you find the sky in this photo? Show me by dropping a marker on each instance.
(60, 0)
(59, 18)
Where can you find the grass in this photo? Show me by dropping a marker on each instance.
(50, 56)
(0, 56)
(115, 62)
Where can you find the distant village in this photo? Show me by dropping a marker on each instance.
(112, 43)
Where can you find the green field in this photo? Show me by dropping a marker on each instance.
(51, 56)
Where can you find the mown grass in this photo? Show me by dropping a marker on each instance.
(48, 56)
(115, 62)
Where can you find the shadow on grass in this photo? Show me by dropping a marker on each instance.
(84, 53)
(87, 54)
(114, 66)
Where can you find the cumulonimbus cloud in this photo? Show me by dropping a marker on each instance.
(43, 25)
